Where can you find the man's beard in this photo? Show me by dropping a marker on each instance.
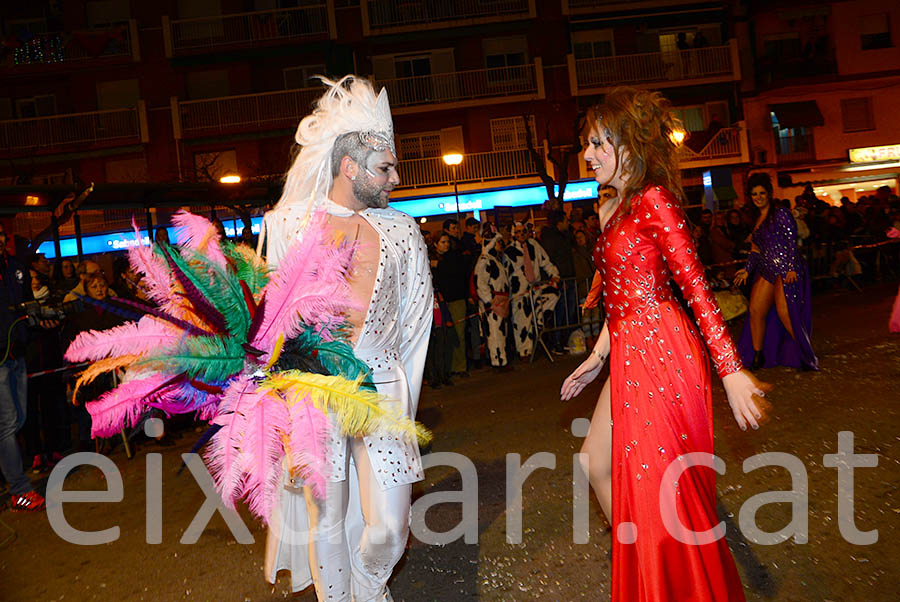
(369, 193)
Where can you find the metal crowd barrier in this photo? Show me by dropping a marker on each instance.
(568, 315)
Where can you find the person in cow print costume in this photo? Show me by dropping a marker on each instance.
(491, 284)
(524, 271)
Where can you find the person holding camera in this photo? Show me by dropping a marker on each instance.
(15, 288)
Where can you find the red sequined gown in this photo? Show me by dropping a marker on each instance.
(662, 408)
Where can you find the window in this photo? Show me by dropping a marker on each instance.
(856, 114)
(875, 32)
(508, 133)
(302, 76)
(782, 46)
(691, 118)
(36, 106)
(412, 66)
(593, 44)
(506, 57)
(419, 145)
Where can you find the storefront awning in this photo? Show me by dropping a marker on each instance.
(798, 114)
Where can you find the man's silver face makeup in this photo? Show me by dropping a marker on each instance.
(378, 178)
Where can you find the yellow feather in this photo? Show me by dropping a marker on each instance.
(99, 367)
(357, 411)
(276, 353)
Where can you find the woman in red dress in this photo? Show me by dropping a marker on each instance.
(667, 543)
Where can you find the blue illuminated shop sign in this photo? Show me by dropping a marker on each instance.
(476, 201)
(121, 241)
(485, 200)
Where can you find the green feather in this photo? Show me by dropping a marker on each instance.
(222, 289)
(201, 357)
(248, 266)
(335, 356)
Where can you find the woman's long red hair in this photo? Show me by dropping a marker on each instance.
(640, 122)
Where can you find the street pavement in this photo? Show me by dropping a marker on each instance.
(486, 418)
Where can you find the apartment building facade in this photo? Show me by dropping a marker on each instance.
(821, 107)
(190, 90)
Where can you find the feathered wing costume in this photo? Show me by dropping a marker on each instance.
(262, 355)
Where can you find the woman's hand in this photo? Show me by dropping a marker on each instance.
(740, 277)
(746, 396)
(582, 376)
(790, 277)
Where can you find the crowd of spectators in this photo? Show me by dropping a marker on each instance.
(43, 307)
(827, 233)
(54, 423)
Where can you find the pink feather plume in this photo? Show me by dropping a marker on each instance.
(261, 454)
(123, 405)
(137, 338)
(311, 283)
(154, 270)
(224, 451)
(308, 436)
(199, 234)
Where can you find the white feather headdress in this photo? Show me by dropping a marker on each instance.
(348, 105)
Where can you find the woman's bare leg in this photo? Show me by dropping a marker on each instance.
(782, 308)
(597, 449)
(761, 299)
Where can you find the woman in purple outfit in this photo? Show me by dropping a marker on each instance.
(777, 330)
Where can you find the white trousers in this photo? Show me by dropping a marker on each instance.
(343, 572)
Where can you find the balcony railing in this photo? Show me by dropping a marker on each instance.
(793, 149)
(75, 130)
(390, 14)
(727, 143)
(70, 47)
(462, 85)
(654, 67)
(475, 167)
(267, 110)
(247, 29)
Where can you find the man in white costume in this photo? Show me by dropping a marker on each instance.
(348, 543)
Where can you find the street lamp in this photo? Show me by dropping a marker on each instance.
(454, 159)
(230, 179)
